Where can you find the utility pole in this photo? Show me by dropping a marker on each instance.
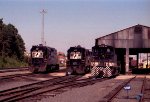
(42, 33)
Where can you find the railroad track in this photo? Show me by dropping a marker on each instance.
(53, 85)
(63, 87)
(6, 77)
(13, 69)
(27, 76)
(109, 97)
(17, 92)
(114, 93)
(145, 90)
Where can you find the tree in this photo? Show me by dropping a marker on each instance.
(11, 42)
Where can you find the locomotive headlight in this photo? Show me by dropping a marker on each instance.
(111, 64)
(69, 73)
(108, 50)
(96, 64)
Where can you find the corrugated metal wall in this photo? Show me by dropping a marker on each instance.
(130, 38)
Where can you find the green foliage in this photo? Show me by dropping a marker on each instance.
(11, 62)
(12, 46)
(11, 43)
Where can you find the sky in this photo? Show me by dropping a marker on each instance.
(72, 22)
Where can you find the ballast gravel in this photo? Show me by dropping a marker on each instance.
(90, 93)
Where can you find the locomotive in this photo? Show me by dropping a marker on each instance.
(43, 59)
(104, 61)
(79, 60)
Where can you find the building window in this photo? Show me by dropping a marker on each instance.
(144, 60)
(138, 30)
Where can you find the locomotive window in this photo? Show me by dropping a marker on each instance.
(37, 54)
(144, 60)
(75, 55)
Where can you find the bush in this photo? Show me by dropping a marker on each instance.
(8, 62)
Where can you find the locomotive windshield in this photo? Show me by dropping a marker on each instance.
(103, 52)
(37, 54)
(106, 53)
(75, 55)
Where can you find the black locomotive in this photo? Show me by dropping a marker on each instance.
(43, 59)
(78, 60)
(104, 61)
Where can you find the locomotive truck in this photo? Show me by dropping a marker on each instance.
(78, 60)
(104, 61)
(43, 59)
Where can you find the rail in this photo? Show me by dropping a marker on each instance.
(15, 75)
(142, 90)
(3, 70)
(51, 85)
(116, 91)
